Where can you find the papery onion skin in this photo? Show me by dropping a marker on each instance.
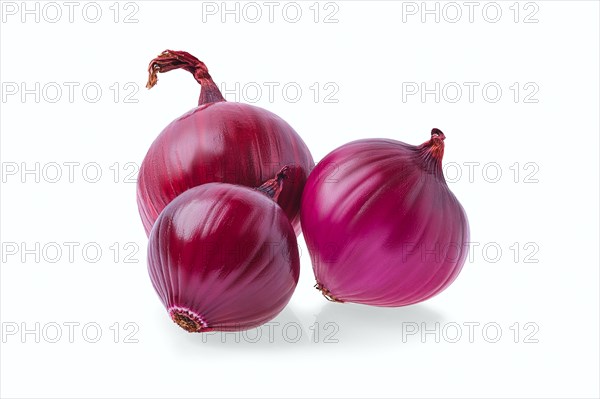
(218, 141)
(381, 224)
(223, 258)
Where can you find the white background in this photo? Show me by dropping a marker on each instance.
(369, 54)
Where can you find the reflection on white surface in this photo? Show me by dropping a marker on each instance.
(370, 326)
(336, 325)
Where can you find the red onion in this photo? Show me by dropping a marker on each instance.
(218, 141)
(381, 224)
(224, 257)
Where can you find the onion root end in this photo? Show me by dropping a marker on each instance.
(188, 320)
(327, 294)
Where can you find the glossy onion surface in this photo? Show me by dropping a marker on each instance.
(381, 224)
(218, 141)
(223, 257)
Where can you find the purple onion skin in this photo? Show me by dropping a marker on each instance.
(381, 224)
(226, 143)
(218, 141)
(223, 257)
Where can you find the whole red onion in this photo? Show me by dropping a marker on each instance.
(381, 224)
(218, 141)
(224, 257)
